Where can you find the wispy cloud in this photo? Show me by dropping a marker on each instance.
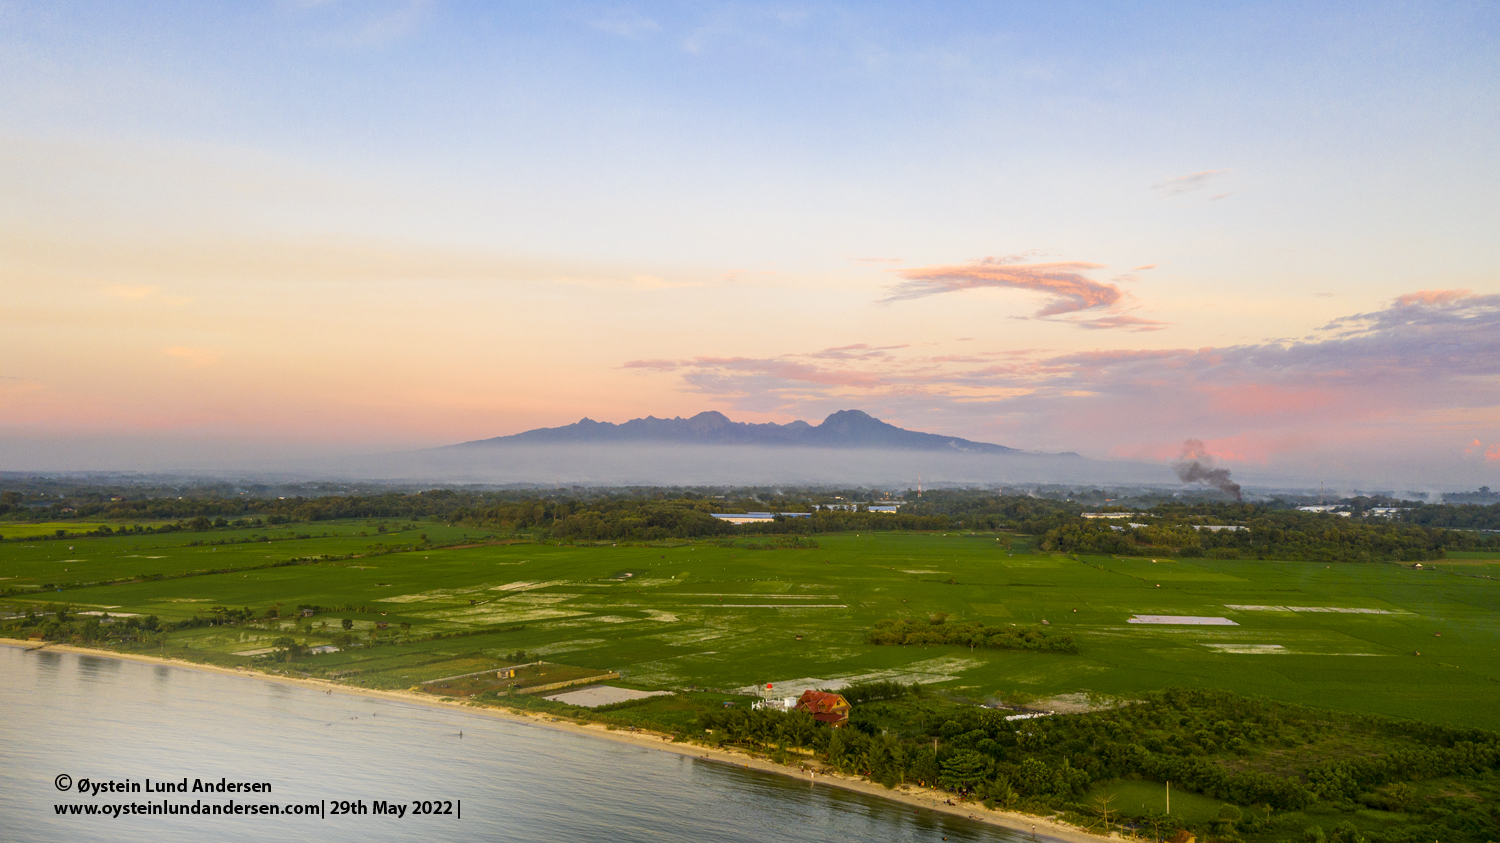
(1190, 183)
(858, 351)
(1124, 320)
(1432, 297)
(660, 365)
(1064, 283)
(1070, 293)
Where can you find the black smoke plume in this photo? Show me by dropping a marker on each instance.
(1196, 466)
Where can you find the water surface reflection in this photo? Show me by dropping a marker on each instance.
(106, 719)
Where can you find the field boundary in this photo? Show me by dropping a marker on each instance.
(479, 673)
(584, 681)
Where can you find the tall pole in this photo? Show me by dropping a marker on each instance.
(1169, 797)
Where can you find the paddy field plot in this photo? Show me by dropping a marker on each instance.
(718, 617)
(48, 528)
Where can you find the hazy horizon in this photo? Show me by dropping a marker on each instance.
(547, 466)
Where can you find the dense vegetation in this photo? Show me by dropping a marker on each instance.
(1466, 516)
(1286, 767)
(1273, 529)
(937, 630)
(1267, 534)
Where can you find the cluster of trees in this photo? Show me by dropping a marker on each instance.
(439, 504)
(642, 519)
(64, 624)
(990, 511)
(1275, 529)
(10, 501)
(60, 624)
(1270, 533)
(1466, 516)
(602, 519)
(245, 510)
(1194, 738)
(1346, 780)
(937, 630)
(840, 521)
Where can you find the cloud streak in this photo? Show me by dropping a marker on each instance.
(1067, 289)
(1124, 321)
(1069, 292)
(1190, 183)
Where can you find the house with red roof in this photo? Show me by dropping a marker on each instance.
(825, 707)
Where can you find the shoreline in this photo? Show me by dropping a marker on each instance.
(910, 795)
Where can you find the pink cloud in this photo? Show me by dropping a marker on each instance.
(858, 351)
(1431, 297)
(1417, 365)
(1473, 448)
(1124, 321)
(1063, 282)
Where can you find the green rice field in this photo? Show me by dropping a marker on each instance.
(47, 528)
(1382, 638)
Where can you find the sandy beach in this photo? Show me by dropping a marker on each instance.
(917, 797)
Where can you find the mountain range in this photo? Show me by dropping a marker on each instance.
(843, 429)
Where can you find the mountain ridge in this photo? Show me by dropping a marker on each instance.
(842, 429)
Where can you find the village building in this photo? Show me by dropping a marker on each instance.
(825, 707)
(753, 517)
(1330, 509)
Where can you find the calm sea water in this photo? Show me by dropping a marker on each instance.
(110, 720)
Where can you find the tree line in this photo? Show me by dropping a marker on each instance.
(936, 630)
(1196, 739)
(1267, 534)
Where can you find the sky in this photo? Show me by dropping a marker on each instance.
(250, 230)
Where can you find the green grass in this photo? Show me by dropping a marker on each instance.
(20, 530)
(1144, 798)
(696, 614)
(92, 559)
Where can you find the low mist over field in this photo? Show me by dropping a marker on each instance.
(649, 464)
